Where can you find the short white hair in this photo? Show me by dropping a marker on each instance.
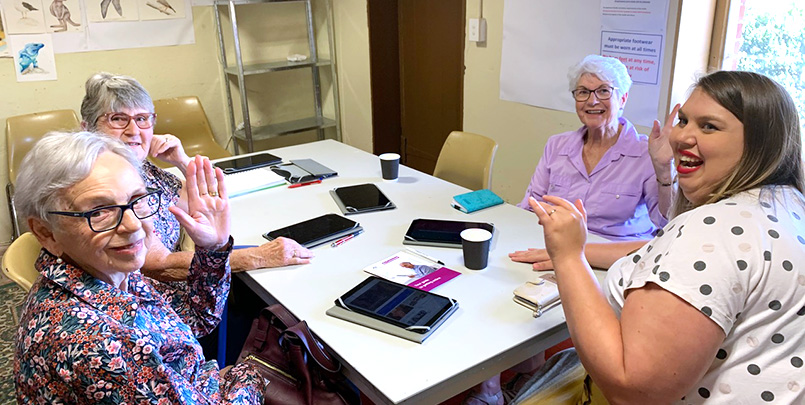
(604, 68)
(57, 162)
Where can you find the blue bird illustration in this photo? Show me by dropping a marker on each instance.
(28, 56)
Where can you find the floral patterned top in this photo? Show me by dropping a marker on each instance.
(83, 341)
(165, 224)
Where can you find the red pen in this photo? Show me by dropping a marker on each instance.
(304, 184)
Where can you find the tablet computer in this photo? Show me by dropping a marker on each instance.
(440, 232)
(361, 198)
(398, 305)
(242, 163)
(317, 231)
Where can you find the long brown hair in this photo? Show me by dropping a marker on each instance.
(772, 152)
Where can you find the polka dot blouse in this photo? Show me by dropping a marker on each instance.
(741, 262)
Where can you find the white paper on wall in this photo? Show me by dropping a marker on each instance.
(64, 16)
(33, 57)
(112, 10)
(543, 39)
(161, 9)
(23, 16)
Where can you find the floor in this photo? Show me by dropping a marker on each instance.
(11, 299)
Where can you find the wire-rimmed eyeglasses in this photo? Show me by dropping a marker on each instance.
(119, 120)
(106, 218)
(601, 93)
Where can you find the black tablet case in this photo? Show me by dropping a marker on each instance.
(363, 201)
(409, 240)
(324, 238)
(342, 313)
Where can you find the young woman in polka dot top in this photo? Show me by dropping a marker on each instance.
(712, 310)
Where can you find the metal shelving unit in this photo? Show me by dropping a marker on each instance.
(241, 70)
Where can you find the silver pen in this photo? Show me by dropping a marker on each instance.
(418, 253)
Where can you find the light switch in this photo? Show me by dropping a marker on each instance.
(477, 30)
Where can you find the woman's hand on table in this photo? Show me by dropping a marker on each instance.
(564, 225)
(276, 253)
(539, 258)
(207, 217)
(168, 148)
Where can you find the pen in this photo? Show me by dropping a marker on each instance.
(345, 238)
(418, 253)
(304, 184)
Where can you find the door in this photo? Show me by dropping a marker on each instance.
(430, 41)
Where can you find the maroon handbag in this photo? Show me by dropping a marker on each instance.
(299, 369)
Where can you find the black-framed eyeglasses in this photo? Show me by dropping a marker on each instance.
(106, 218)
(120, 120)
(601, 93)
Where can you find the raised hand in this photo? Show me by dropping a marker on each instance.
(207, 218)
(660, 149)
(168, 148)
(565, 227)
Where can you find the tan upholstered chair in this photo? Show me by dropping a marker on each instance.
(19, 259)
(185, 118)
(466, 159)
(22, 132)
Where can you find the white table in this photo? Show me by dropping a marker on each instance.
(488, 334)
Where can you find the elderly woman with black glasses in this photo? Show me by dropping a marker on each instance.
(120, 107)
(93, 329)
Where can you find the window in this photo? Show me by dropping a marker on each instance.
(768, 37)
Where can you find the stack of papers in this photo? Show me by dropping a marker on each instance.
(249, 181)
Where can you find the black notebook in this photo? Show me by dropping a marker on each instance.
(361, 198)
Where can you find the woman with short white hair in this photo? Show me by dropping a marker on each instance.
(93, 329)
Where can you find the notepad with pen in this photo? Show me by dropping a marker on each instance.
(476, 200)
(249, 181)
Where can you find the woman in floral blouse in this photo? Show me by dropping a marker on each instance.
(120, 107)
(93, 329)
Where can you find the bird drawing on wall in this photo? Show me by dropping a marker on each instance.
(163, 7)
(105, 7)
(28, 56)
(62, 13)
(24, 8)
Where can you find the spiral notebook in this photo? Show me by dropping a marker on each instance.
(250, 181)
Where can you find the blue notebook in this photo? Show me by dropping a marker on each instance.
(476, 200)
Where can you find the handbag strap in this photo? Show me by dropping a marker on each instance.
(265, 319)
(302, 333)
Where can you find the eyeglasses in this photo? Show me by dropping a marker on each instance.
(601, 93)
(106, 218)
(120, 120)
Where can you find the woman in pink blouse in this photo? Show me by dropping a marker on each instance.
(93, 329)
